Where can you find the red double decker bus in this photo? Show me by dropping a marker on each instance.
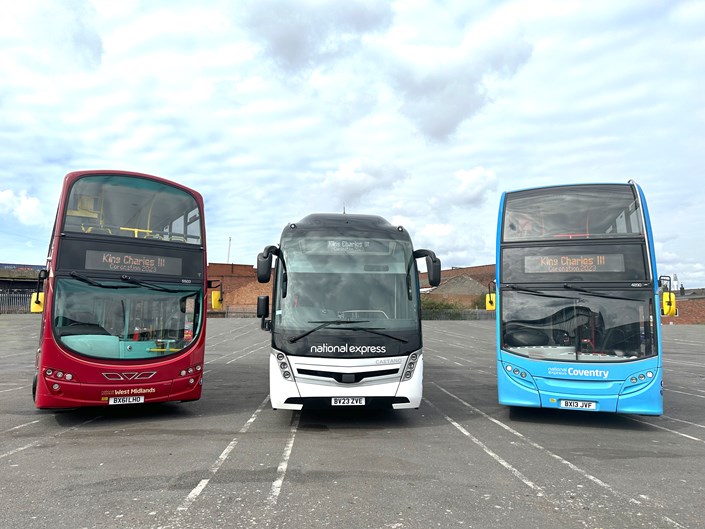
(123, 301)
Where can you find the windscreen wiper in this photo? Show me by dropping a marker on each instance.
(596, 294)
(323, 324)
(94, 283)
(536, 292)
(376, 331)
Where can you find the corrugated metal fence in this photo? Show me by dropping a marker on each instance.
(15, 301)
(457, 314)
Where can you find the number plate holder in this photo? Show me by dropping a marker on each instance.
(578, 404)
(126, 400)
(347, 401)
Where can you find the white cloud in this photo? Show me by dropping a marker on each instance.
(53, 37)
(300, 36)
(26, 209)
(354, 180)
(443, 86)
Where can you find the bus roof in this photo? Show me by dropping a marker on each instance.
(348, 222)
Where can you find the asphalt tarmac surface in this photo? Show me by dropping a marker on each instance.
(461, 460)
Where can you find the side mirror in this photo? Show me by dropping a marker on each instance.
(264, 263)
(491, 296)
(668, 298)
(37, 302)
(262, 306)
(668, 304)
(490, 301)
(433, 266)
(263, 312)
(217, 300)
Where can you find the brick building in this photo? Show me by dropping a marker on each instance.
(691, 308)
(239, 286)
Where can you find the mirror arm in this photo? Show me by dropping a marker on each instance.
(41, 276)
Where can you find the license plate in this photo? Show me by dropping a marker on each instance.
(126, 400)
(348, 401)
(578, 404)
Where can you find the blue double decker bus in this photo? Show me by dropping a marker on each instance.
(578, 300)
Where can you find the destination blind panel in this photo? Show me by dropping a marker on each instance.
(575, 262)
(132, 262)
(539, 264)
(111, 259)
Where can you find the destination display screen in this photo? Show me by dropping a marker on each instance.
(347, 246)
(133, 262)
(557, 263)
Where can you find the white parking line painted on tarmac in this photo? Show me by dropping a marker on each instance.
(284, 463)
(12, 389)
(680, 434)
(247, 354)
(35, 443)
(196, 492)
(20, 426)
(526, 481)
(527, 440)
(570, 465)
(686, 393)
(684, 422)
(221, 357)
(212, 343)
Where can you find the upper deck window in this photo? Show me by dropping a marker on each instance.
(124, 206)
(572, 212)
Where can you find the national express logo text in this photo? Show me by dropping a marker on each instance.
(348, 349)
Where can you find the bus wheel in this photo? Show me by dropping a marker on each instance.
(34, 388)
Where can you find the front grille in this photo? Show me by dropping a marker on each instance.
(347, 378)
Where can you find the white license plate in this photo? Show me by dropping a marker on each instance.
(126, 400)
(348, 401)
(578, 404)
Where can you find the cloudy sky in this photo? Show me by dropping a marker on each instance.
(417, 110)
